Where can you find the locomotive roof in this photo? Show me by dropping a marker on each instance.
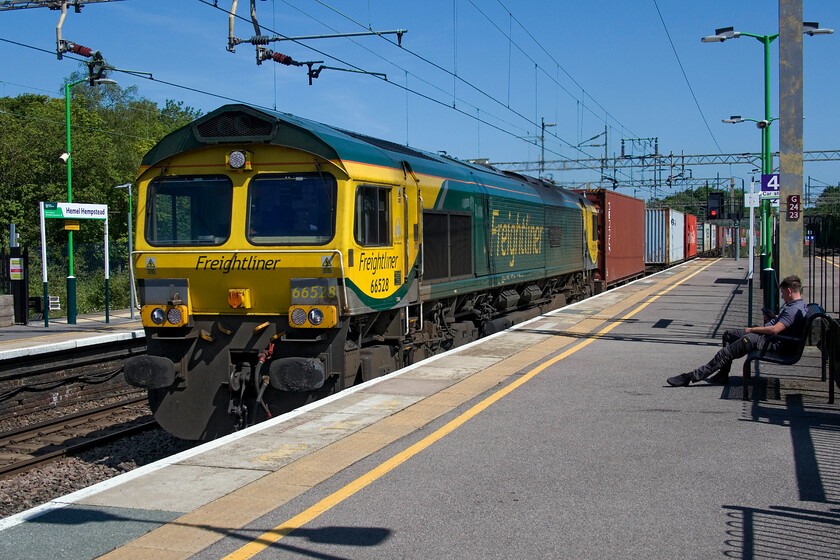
(239, 123)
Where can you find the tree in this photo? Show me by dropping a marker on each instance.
(112, 128)
(828, 203)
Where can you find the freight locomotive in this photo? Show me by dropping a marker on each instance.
(280, 259)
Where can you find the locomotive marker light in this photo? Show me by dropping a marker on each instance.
(164, 315)
(313, 316)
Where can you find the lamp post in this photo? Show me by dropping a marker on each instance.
(721, 35)
(67, 158)
(132, 296)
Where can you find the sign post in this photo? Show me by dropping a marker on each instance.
(72, 212)
(769, 197)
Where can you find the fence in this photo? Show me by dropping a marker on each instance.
(822, 262)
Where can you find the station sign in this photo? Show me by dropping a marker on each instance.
(15, 268)
(794, 207)
(74, 211)
(770, 185)
(753, 200)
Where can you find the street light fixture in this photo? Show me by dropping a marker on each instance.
(67, 158)
(810, 28)
(132, 295)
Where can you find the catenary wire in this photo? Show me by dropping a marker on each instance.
(235, 100)
(425, 96)
(685, 76)
(456, 77)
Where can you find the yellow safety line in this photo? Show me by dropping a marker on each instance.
(270, 537)
(828, 261)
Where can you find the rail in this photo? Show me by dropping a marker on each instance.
(29, 446)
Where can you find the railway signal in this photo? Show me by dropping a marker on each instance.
(714, 206)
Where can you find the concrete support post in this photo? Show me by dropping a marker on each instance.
(790, 136)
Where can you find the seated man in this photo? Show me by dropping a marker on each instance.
(740, 342)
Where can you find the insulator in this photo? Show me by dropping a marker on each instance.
(82, 51)
(282, 59)
(260, 40)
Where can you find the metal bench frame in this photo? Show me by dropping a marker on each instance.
(789, 358)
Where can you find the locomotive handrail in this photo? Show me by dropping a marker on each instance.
(290, 251)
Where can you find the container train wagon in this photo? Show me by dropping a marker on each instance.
(281, 259)
(710, 240)
(621, 238)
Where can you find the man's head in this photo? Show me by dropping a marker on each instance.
(791, 288)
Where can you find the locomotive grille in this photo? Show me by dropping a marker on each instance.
(436, 255)
(237, 124)
(460, 245)
(448, 239)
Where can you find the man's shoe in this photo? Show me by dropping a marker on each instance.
(721, 377)
(681, 380)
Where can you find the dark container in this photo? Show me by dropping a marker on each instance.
(621, 237)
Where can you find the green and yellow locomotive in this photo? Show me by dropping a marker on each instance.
(280, 259)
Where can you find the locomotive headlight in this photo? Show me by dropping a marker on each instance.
(238, 159)
(298, 316)
(158, 316)
(313, 316)
(316, 316)
(173, 316)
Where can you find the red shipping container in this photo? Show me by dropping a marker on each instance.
(690, 236)
(621, 237)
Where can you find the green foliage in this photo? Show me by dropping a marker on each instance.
(691, 201)
(90, 286)
(112, 128)
(828, 203)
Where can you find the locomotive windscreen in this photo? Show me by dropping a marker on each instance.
(291, 209)
(189, 210)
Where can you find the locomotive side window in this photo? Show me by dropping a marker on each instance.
(373, 219)
(189, 210)
(291, 209)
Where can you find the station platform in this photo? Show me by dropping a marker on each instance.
(556, 439)
(36, 338)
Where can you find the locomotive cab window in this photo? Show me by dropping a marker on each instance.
(189, 210)
(372, 225)
(291, 209)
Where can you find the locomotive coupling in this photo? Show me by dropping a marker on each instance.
(297, 374)
(149, 372)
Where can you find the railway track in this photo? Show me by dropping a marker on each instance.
(24, 448)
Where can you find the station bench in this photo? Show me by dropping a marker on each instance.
(797, 346)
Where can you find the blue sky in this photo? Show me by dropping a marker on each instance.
(579, 65)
